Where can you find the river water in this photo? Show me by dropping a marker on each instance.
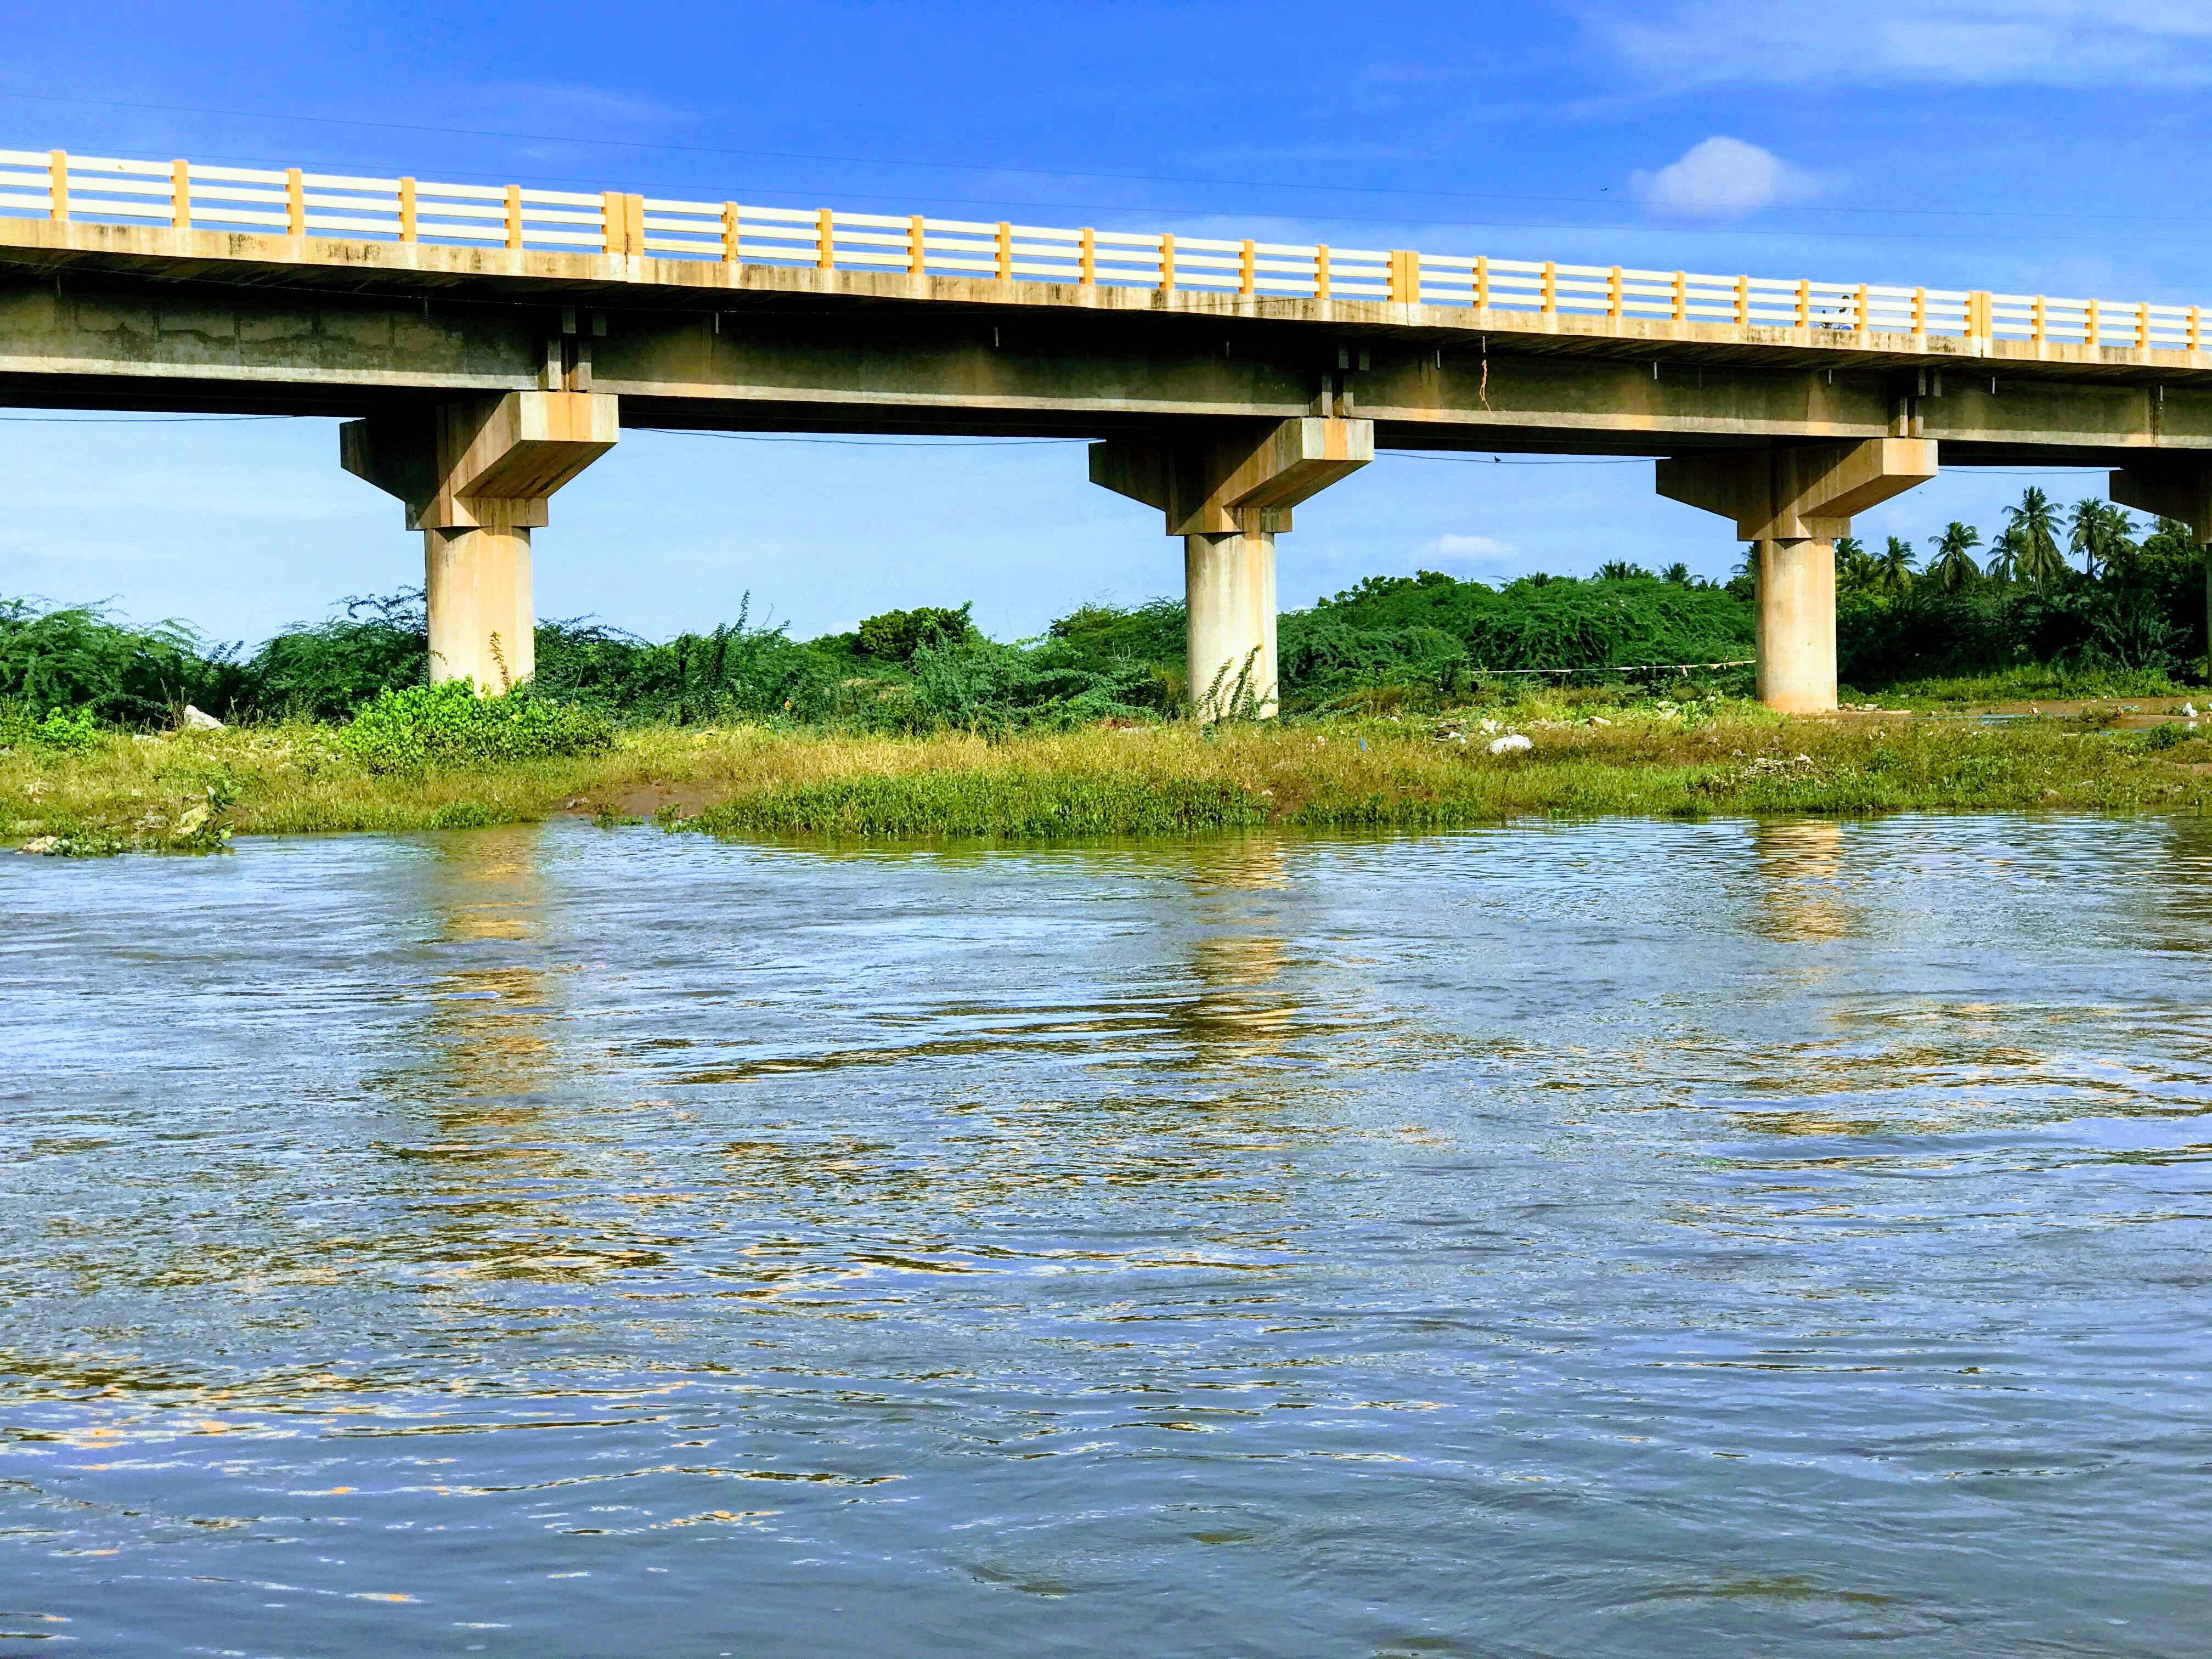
(1592, 1239)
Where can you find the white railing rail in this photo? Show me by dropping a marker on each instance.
(182, 195)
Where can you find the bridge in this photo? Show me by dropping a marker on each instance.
(485, 344)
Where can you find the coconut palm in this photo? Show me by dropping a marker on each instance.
(2103, 535)
(2004, 565)
(1895, 566)
(1953, 567)
(1858, 571)
(2031, 532)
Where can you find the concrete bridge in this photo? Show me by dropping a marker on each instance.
(487, 344)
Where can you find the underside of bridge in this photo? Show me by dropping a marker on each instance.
(475, 385)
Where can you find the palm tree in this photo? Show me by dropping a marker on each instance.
(1895, 566)
(2031, 532)
(2103, 535)
(1953, 565)
(1856, 569)
(2004, 556)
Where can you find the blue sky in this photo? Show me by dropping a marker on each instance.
(2038, 146)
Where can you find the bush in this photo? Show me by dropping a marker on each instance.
(449, 724)
(895, 636)
(735, 671)
(984, 686)
(1554, 621)
(61, 728)
(1322, 656)
(382, 643)
(73, 657)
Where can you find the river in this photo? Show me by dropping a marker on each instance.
(1585, 1239)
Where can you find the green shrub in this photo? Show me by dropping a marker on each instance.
(62, 729)
(73, 657)
(449, 724)
(735, 672)
(323, 672)
(984, 686)
(895, 636)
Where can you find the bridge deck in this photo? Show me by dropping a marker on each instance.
(718, 315)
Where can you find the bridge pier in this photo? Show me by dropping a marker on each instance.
(1228, 493)
(2175, 489)
(476, 475)
(1792, 504)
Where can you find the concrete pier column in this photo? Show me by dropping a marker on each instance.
(1797, 669)
(2175, 487)
(476, 475)
(1227, 491)
(1229, 584)
(1792, 504)
(476, 585)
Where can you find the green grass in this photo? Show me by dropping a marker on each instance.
(1595, 753)
(2034, 682)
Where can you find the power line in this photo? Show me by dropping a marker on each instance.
(138, 420)
(1306, 185)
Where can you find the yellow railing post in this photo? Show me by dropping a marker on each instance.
(1804, 303)
(58, 184)
(1919, 311)
(1613, 296)
(180, 195)
(1320, 271)
(1681, 296)
(1864, 318)
(1167, 261)
(1743, 302)
(730, 233)
(1005, 251)
(2089, 324)
(917, 246)
(1246, 273)
(406, 210)
(295, 204)
(1087, 258)
(2035, 320)
(1482, 281)
(515, 215)
(2143, 326)
(1551, 286)
(1402, 289)
(825, 240)
(614, 215)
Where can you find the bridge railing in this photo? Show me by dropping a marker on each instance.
(294, 203)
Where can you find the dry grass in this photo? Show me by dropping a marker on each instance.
(1368, 773)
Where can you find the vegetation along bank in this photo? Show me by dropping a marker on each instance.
(1632, 690)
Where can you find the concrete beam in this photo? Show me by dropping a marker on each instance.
(2173, 490)
(1217, 485)
(519, 447)
(165, 258)
(98, 340)
(1792, 495)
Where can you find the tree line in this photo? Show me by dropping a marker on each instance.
(2034, 549)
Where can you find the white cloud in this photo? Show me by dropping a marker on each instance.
(2106, 44)
(1721, 179)
(1469, 550)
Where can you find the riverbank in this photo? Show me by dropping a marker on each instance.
(190, 791)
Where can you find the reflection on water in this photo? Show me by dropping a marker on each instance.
(1598, 1238)
(1801, 860)
(1242, 1013)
